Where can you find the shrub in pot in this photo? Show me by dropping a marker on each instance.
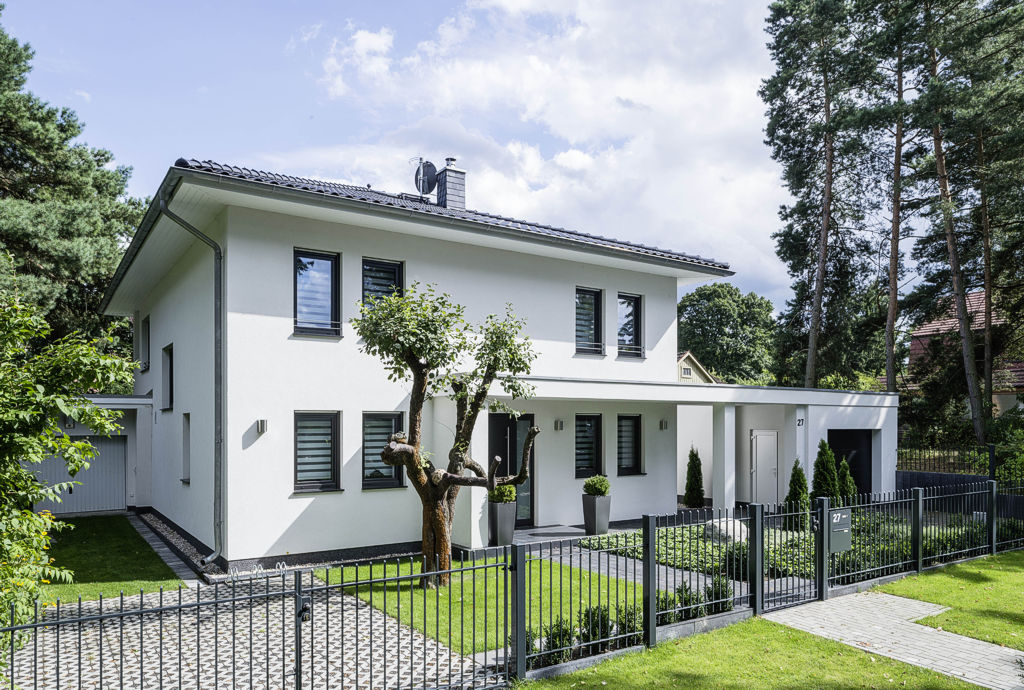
(501, 515)
(596, 504)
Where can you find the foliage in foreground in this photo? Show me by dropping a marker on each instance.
(39, 385)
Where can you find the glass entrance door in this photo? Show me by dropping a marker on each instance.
(507, 436)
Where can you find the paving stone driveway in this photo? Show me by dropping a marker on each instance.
(240, 643)
(884, 624)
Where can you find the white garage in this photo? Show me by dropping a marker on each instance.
(102, 487)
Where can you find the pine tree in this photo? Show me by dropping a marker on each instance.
(694, 496)
(847, 487)
(825, 482)
(64, 213)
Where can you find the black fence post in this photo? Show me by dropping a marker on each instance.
(991, 461)
(755, 557)
(991, 523)
(821, 548)
(650, 581)
(917, 529)
(517, 651)
(302, 611)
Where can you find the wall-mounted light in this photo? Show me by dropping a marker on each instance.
(559, 425)
(261, 426)
(663, 424)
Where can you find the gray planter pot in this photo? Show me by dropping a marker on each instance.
(595, 513)
(501, 523)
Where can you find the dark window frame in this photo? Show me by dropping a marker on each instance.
(595, 348)
(167, 377)
(333, 484)
(399, 267)
(631, 349)
(598, 447)
(638, 451)
(396, 482)
(335, 259)
(687, 371)
(145, 346)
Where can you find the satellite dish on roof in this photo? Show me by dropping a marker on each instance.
(426, 177)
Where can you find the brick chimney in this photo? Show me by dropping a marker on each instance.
(451, 186)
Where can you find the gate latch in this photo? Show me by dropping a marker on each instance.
(305, 608)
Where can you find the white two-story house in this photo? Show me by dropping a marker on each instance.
(257, 422)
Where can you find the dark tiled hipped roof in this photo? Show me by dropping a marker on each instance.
(411, 203)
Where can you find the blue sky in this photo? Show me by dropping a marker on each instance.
(636, 120)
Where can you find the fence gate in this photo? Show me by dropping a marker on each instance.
(790, 555)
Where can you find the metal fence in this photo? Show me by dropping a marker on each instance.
(970, 460)
(492, 618)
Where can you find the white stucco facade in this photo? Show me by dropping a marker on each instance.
(271, 372)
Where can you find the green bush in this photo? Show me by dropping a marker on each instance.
(798, 499)
(597, 486)
(667, 603)
(596, 627)
(629, 619)
(847, 487)
(825, 482)
(506, 493)
(1009, 529)
(692, 601)
(718, 593)
(1011, 472)
(694, 496)
(560, 633)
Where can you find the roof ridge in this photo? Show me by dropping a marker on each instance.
(371, 195)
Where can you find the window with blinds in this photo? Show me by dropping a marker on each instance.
(628, 444)
(629, 330)
(316, 451)
(381, 278)
(377, 428)
(317, 308)
(588, 322)
(588, 445)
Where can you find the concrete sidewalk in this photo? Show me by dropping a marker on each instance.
(884, 624)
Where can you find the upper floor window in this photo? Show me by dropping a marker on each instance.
(629, 326)
(316, 451)
(167, 378)
(588, 322)
(628, 444)
(687, 371)
(588, 445)
(316, 293)
(377, 429)
(381, 278)
(144, 344)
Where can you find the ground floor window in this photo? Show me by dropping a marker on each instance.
(628, 444)
(588, 445)
(316, 451)
(377, 428)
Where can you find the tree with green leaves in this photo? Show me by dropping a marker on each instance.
(64, 212)
(811, 97)
(422, 338)
(694, 496)
(41, 381)
(797, 498)
(825, 482)
(730, 333)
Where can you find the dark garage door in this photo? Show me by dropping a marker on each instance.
(855, 446)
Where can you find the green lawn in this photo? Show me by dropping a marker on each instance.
(107, 556)
(553, 588)
(985, 596)
(755, 653)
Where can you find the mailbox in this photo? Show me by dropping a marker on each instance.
(840, 535)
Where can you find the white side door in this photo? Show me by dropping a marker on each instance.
(764, 466)
(102, 486)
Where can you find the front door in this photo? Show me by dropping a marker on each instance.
(507, 435)
(764, 466)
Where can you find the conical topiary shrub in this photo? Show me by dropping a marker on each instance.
(798, 500)
(694, 496)
(825, 482)
(847, 487)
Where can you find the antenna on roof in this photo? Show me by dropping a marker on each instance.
(426, 175)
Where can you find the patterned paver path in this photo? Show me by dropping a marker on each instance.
(884, 624)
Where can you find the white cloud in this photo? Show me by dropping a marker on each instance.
(84, 95)
(306, 34)
(639, 122)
